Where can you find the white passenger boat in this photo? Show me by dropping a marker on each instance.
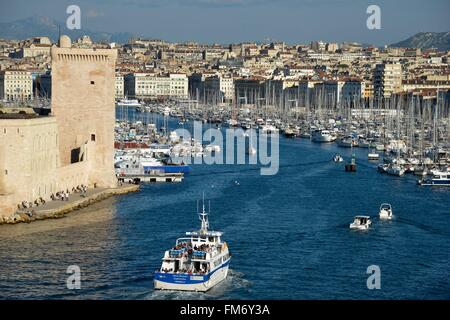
(361, 223)
(196, 263)
(320, 135)
(385, 212)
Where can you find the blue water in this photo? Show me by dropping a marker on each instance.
(288, 235)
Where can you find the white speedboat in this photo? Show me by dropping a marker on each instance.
(373, 156)
(361, 223)
(338, 158)
(322, 136)
(196, 263)
(385, 211)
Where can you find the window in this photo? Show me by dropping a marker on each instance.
(92, 137)
(92, 82)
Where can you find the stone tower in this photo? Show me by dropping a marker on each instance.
(83, 93)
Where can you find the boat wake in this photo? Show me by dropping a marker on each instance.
(235, 281)
(422, 226)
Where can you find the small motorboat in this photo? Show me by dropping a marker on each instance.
(361, 223)
(289, 133)
(385, 211)
(395, 170)
(373, 156)
(338, 158)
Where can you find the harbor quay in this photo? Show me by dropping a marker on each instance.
(44, 154)
(60, 207)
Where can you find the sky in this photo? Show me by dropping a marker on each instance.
(231, 21)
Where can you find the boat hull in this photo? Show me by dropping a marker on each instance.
(354, 226)
(323, 139)
(189, 282)
(434, 183)
(169, 169)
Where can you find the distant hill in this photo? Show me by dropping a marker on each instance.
(426, 40)
(44, 26)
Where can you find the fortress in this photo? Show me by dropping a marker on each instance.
(74, 145)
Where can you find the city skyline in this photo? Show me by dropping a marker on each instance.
(232, 21)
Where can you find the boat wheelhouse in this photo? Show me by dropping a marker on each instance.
(322, 135)
(361, 223)
(385, 211)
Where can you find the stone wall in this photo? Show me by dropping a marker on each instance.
(28, 160)
(83, 90)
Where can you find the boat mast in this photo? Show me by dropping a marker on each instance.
(203, 216)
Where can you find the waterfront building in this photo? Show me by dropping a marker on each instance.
(368, 89)
(82, 93)
(330, 92)
(414, 85)
(387, 79)
(74, 145)
(353, 90)
(249, 90)
(120, 86)
(149, 85)
(28, 157)
(16, 85)
(220, 84)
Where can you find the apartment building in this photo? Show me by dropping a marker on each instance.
(148, 85)
(16, 85)
(387, 79)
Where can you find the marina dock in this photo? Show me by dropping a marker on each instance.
(157, 177)
(58, 208)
